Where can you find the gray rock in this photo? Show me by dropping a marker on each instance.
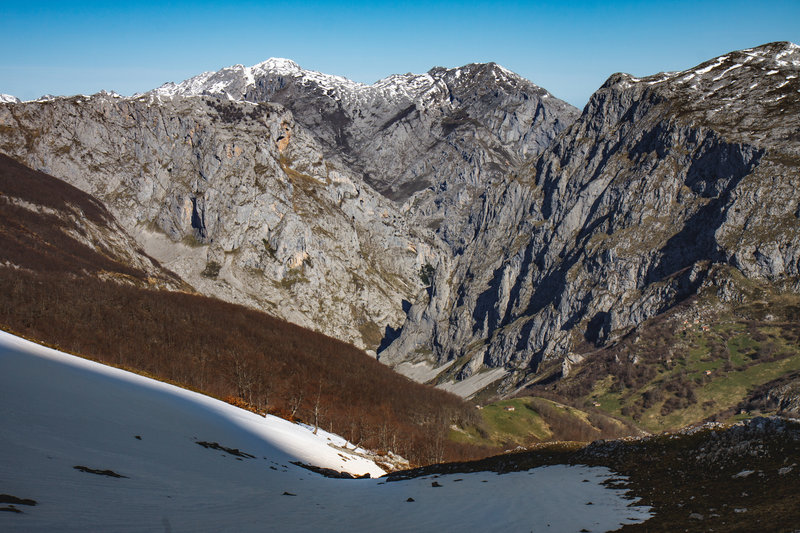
(237, 199)
(624, 215)
(275, 206)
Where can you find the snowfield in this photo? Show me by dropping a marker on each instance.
(154, 457)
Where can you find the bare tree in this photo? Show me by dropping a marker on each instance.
(243, 377)
(295, 401)
(318, 409)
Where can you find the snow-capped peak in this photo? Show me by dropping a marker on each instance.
(765, 60)
(235, 82)
(278, 64)
(8, 99)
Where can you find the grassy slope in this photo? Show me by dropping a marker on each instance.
(529, 420)
(698, 361)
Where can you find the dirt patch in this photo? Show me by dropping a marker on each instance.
(109, 473)
(7, 498)
(329, 472)
(233, 451)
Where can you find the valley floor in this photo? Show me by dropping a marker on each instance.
(85, 447)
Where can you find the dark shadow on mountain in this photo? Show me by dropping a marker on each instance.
(713, 175)
(598, 328)
(485, 311)
(390, 334)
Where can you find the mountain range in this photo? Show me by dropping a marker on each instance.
(464, 225)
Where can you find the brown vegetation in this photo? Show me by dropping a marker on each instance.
(51, 290)
(227, 350)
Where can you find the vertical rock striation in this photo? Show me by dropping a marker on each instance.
(623, 216)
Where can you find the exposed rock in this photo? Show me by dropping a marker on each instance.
(209, 188)
(781, 395)
(624, 215)
(434, 142)
(275, 208)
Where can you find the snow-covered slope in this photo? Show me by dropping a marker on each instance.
(192, 463)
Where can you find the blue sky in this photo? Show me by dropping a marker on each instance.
(567, 48)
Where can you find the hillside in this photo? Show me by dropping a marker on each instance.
(308, 196)
(664, 187)
(708, 358)
(238, 200)
(96, 448)
(73, 279)
(602, 273)
(738, 478)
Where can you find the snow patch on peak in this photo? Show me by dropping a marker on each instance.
(412, 86)
(8, 99)
(278, 63)
(712, 65)
(505, 71)
(248, 77)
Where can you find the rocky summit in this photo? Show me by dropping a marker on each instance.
(464, 223)
(625, 214)
(432, 143)
(314, 198)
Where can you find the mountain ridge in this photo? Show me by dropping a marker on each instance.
(548, 268)
(258, 206)
(539, 228)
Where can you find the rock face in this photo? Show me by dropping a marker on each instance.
(333, 204)
(238, 200)
(276, 206)
(431, 142)
(781, 395)
(621, 217)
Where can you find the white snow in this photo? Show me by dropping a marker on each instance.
(421, 371)
(664, 76)
(714, 65)
(58, 411)
(474, 383)
(737, 65)
(8, 99)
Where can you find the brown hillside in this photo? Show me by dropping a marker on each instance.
(61, 287)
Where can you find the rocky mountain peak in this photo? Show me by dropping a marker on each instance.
(278, 64)
(621, 217)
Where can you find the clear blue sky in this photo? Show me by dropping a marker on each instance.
(569, 48)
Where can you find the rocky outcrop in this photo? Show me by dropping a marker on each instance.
(622, 217)
(236, 198)
(258, 184)
(431, 142)
(781, 395)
